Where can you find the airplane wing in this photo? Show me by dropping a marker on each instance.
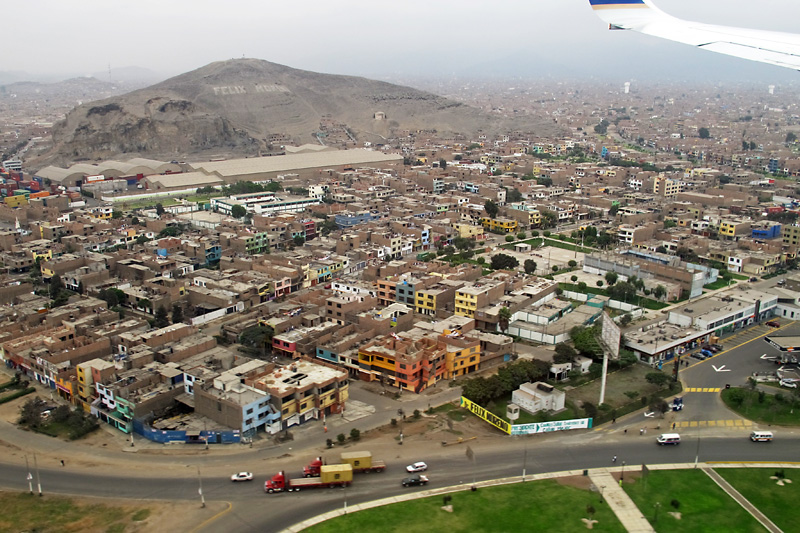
(776, 48)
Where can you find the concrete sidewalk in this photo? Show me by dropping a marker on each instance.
(741, 500)
(619, 502)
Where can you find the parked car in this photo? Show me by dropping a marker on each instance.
(753, 278)
(677, 404)
(788, 383)
(242, 476)
(707, 353)
(774, 324)
(416, 479)
(718, 347)
(417, 467)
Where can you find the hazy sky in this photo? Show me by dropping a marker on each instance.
(377, 39)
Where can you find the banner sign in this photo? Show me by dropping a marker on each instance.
(544, 427)
(484, 414)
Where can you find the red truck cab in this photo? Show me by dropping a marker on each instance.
(314, 468)
(276, 484)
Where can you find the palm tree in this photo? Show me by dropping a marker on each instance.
(503, 318)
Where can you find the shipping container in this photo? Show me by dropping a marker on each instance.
(40, 194)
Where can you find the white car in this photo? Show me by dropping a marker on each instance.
(242, 476)
(789, 383)
(417, 467)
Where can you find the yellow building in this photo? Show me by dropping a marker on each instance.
(505, 225)
(468, 231)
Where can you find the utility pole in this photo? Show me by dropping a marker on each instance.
(29, 477)
(200, 489)
(38, 480)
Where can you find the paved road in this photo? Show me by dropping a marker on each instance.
(255, 511)
(741, 356)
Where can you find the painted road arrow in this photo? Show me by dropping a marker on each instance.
(649, 415)
(765, 356)
(721, 369)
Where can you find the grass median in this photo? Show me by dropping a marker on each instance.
(758, 406)
(774, 492)
(675, 501)
(549, 505)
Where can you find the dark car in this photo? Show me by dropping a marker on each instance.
(774, 324)
(416, 479)
(717, 346)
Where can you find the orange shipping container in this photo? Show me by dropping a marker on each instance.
(40, 194)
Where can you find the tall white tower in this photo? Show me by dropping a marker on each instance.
(771, 89)
(627, 87)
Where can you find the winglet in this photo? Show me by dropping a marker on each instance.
(626, 14)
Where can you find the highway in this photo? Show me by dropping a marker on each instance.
(253, 510)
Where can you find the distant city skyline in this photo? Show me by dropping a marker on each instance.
(468, 38)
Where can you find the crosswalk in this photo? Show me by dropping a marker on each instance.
(702, 389)
(734, 423)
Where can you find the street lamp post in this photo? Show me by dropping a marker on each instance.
(200, 488)
(622, 472)
(524, 461)
(697, 455)
(657, 506)
(29, 477)
(38, 480)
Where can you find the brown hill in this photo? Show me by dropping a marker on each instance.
(234, 107)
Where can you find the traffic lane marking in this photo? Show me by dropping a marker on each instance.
(739, 345)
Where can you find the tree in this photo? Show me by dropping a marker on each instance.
(625, 319)
(622, 291)
(572, 263)
(355, 434)
(56, 286)
(510, 238)
(31, 413)
(573, 278)
(161, 318)
(491, 208)
(599, 283)
(177, 314)
(564, 353)
(530, 266)
(549, 218)
(256, 337)
(661, 250)
(503, 318)
(704, 133)
(159, 209)
(238, 211)
(659, 292)
(659, 406)
(504, 262)
(299, 240)
(657, 378)
(627, 358)
(514, 196)
(521, 236)
(442, 164)
(582, 286)
(611, 277)
(790, 137)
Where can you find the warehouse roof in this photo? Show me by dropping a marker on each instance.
(289, 163)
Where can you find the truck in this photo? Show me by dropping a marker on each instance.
(361, 462)
(330, 476)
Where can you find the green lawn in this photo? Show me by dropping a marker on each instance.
(775, 501)
(536, 506)
(704, 507)
(781, 408)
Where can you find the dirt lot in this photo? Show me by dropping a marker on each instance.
(630, 379)
(23, 512)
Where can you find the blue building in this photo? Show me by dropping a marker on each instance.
(766, 230)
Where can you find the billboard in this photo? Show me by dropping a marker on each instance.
(545, 427)
(92, 179)
(610, 335)
(484, 414)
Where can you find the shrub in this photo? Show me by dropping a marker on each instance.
(416, 413)
(341, 438)
(355, 434)
(675, 503)
(329, 443)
